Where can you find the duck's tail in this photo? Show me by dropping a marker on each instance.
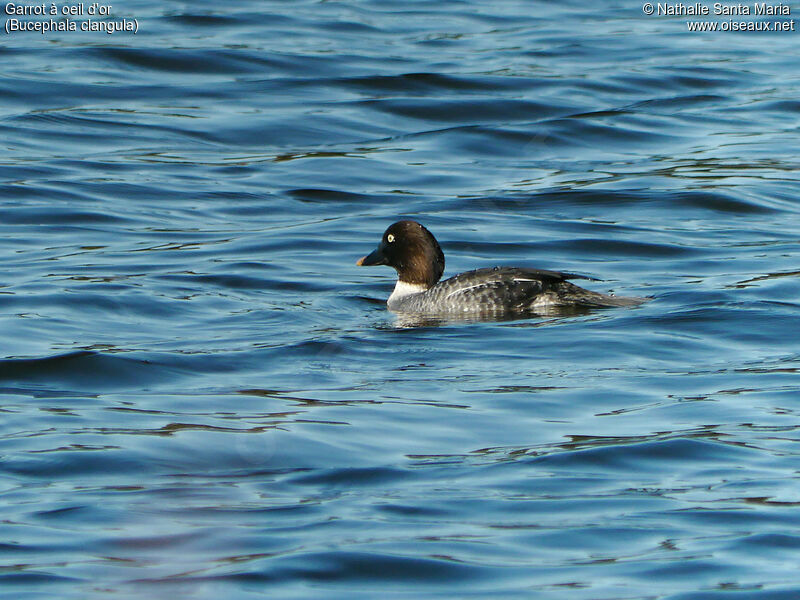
(570, 293)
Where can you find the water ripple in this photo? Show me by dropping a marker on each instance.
(202, 395)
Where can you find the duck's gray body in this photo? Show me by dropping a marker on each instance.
(500, 290)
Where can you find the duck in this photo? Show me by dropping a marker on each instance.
(412, 250)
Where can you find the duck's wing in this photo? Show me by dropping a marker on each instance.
(545, 275)
(508, 276)
(509, 287)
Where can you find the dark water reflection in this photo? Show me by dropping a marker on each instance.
(201, 395)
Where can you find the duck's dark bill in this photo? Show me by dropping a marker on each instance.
(375, 258)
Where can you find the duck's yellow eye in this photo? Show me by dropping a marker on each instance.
(390, 238)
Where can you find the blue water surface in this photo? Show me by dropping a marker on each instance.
(201, 395)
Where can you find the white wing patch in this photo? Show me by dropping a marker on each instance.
(487, 283)
(464, 289)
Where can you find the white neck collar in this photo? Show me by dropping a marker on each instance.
(403, 289)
